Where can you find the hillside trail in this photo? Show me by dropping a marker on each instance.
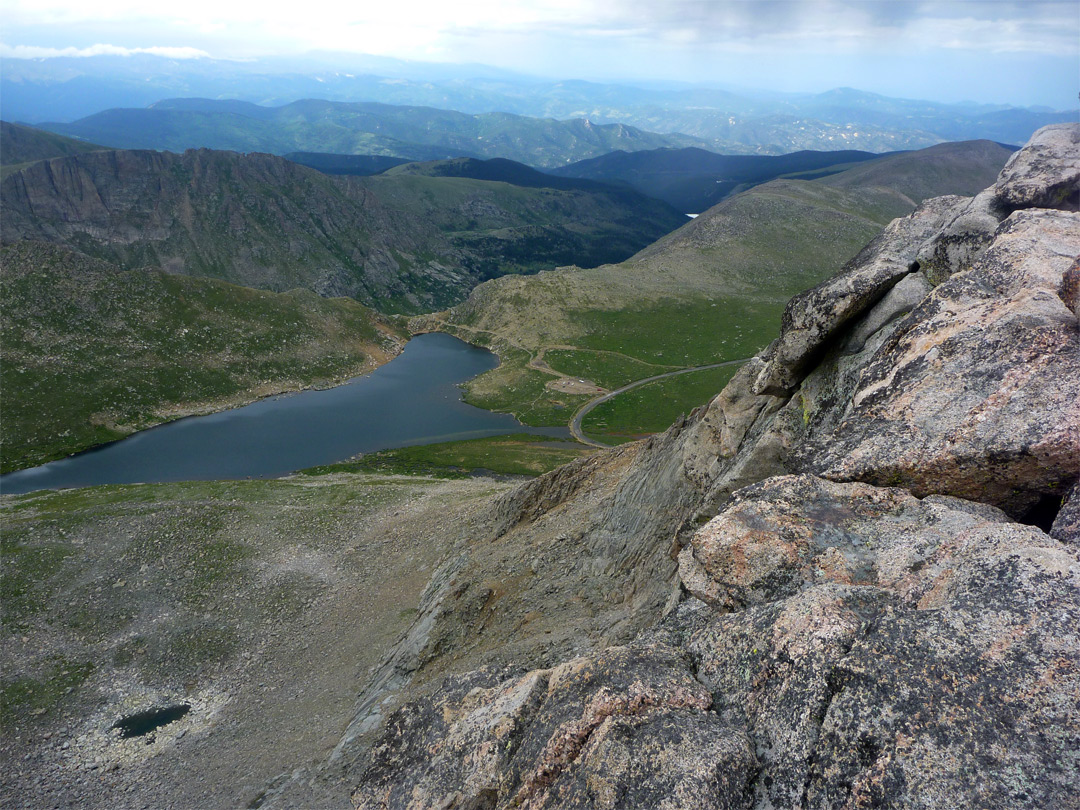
(538, 363)
(575, 423)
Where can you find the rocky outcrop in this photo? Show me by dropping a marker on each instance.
(970, 388)
(872, 649)
(1066, 525)
(577, 735)
(1045, 173)
(976, 393)
(878, 577)
(813, 317)
(891, 651)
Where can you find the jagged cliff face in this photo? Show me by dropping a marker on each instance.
(877, 589)
(396, 244)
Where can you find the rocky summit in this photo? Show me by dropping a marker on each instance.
(852, 580)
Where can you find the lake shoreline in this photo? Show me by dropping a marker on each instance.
(375, 427)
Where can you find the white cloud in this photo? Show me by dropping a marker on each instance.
(466, 28)
(733, 41)
(34, 52)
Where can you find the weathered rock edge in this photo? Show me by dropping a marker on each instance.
(871, 624)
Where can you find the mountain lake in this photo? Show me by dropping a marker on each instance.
(413, 399)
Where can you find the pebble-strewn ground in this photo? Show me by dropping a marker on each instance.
(261, 604)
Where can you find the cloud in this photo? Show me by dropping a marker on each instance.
(1036, 26)
(34, 52)
(456, 29)
(736, 41)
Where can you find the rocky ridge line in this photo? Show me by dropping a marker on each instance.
(878, 586)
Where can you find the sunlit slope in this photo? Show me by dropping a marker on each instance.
(964, 168)
(91, 353)
(694, 180)
(709, 292)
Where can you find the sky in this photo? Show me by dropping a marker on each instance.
(1023, 52)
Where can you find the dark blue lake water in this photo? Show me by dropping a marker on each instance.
(414, 399)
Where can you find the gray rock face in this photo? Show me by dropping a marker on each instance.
(976, 393)
(961, 241)
(1066, 526)
(576, 736)
(899, 648)
(1045, 173)
(860, 620)
(811, 318)
(839, 679)
(969, 388)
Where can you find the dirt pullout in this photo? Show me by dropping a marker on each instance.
(259, 605)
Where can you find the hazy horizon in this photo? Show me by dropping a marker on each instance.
(1019, 53)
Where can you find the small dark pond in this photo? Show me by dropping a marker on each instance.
(414, 399)
(142, 723)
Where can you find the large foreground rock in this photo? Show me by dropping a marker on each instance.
(1045, 173)
(968, 388)
(877, 598)
(884, 651)
(580, 735)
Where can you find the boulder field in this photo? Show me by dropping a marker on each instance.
(851, 580)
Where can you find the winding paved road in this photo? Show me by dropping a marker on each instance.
(575, 423)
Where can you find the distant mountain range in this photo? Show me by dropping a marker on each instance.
(693, 180)
(413, 133)
(404, 241)
(742, 122)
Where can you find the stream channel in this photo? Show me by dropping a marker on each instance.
(413, 399)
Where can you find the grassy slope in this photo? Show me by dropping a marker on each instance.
(712, 291)
(202, 532)
(514, 454)
(505, 228)
(709, 292)
(21, 145)
(694, 180)
(958, 167)
(653, 407)
(219, 594)
(91, 353)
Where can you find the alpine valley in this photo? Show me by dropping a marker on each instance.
(816, 545)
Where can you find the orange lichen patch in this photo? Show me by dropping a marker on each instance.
(1059, 669)
(996, 651)
(834, 567)
(869, 789)
(938, 594)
